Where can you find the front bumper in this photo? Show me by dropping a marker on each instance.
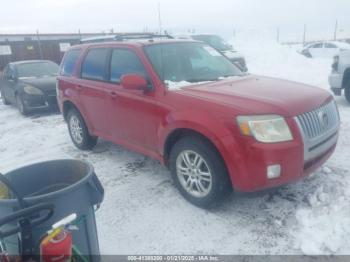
(335, 81)
(248, 165)
(40, 101)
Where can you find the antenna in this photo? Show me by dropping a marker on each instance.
(335, 30)
(159, 19)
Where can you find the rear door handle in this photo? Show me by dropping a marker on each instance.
(113, 94)
(79, 87)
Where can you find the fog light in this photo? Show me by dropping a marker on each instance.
(273, 171)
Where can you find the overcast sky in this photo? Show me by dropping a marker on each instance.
(222, 16)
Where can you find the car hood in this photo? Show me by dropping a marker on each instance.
(46, 84)
(261, 95)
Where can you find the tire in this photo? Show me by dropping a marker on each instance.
(22, 108)
(3, 98)
(347, 92)
(78, 131)
(208, 183)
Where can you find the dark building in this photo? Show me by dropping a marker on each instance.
(15, 47)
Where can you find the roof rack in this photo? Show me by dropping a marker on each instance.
(124, 36)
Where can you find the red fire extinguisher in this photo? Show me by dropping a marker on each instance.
(57, 246)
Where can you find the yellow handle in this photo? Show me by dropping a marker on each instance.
(54, 233)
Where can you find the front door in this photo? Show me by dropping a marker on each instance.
(133, 115)
(317, 50)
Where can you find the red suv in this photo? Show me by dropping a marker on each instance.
(184, 104)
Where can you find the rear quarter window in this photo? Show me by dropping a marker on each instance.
(69, 62)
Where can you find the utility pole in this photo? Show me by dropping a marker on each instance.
(278, 34)
(39, 44)
(335, 30)
(159, 19)
(304, 35)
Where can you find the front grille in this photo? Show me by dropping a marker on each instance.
(319, 129)
(51, 92)
(319, 121)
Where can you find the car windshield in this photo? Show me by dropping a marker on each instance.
(215, 41)
(190, 62)
(37, 69)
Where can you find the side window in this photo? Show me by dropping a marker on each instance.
(319, 45)
(69, 62)
(123, 62)
(94, 64)
(329, 45)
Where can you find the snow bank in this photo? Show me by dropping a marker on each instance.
(324, 230)
(265, 56)
(324, 225)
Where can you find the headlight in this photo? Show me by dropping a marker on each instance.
(31, 90)
(265, 128)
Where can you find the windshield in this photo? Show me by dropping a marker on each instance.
(215, 41)
(190, 62)
(37, 69)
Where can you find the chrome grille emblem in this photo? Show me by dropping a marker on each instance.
(323, 118)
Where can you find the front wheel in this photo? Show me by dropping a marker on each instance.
(23, 109)
(199, 172)
(78, 131)
(347, 92)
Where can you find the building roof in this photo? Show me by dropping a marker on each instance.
(28, 62)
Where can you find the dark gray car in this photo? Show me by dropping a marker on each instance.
(29, 85)
(226, 49)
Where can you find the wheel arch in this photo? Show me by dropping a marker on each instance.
(67, 105)
(181, 132)
(346, 77)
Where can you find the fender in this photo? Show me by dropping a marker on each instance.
(219, 134)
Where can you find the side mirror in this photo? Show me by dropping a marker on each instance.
(134, 82)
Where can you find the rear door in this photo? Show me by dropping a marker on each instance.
(92, 91)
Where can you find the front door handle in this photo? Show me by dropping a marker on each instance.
(113, 94)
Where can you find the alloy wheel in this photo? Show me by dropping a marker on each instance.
(76, 129)
(194, 173)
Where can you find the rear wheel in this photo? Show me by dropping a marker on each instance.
(23, 109)
(199, 172)
(3, 98)
(347, 92)
(78, 131)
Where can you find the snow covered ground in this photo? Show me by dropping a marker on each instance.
(144, 214)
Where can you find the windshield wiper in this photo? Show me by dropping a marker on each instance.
(196, 80)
